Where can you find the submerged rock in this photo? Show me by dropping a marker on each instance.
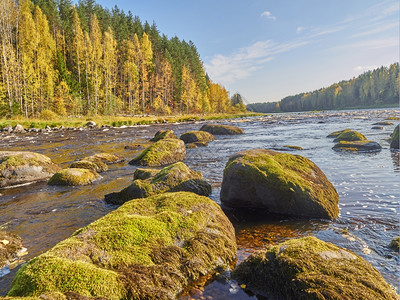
(217, 129)
(394, 244)
(18, 167)
(278, 183)
(163, 134)
(161, 153)
(197, 137)
(377, 127)
(394, 143)
(357, 146)
(174, 178)
(11, 250)
(150, 248)
(309, 268)
(106, 158)
(350, 135)
(74, 176)
(385, 123)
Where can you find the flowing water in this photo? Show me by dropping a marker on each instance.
(367, 183)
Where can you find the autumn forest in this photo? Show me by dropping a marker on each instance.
(57, 58)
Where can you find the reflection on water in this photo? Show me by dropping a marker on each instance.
(368, 187)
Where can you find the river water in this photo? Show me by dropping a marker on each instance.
(367, 183)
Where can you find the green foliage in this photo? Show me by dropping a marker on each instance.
(48, 115)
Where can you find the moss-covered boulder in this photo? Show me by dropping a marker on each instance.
(95, 165)
(384, 123)
(74, 176)
(394, 143)
(350, 135)
(357, 146)
(337, 133)
(197, 136)
(11, 249)
(174, 178)
(18, 167)
(394, 244)
(218, 129)
(278, 183)
(105, 158)
(149, 248)
(309, 268)
(144, 173)
(161, 153)
(163, 134)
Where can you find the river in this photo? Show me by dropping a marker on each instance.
(367, 183)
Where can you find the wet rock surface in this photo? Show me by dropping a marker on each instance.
(21, 167)
(278, 183)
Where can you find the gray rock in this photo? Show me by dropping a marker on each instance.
(18, 129)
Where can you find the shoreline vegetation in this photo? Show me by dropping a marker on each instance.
(378, 88)
(119, 121)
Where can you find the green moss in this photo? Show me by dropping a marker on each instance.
(337, 133)
(197, 136)
(309, 268)
(163, 152)
(74, 176)
(394, 244)
(293, 184)
(147, 248)
(163, 134)
(49, 273)
(16, 159)
(293, 147)
(95, 165)
(218, 129)
(144, 173)
(394, 143)
(171, 178)
(350, 135)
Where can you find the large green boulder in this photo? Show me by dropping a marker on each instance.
(149, 248)
(278, 183)
(394, 143)
(163, 134)
(96, 165)
(218, 129)
(337, 133)
(21, 167)
(350, 135)
(74, 176)
(197, 136)
(174, 178)
(309, 268)
(357, 146)
(161, 153)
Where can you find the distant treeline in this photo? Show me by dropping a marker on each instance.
(376, 88)
(66, 59)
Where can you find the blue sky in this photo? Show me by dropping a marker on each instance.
(267, 50)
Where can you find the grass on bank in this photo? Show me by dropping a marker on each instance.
(118, 120)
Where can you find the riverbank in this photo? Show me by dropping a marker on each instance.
(119, 120)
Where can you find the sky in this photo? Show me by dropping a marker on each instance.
(267, 49)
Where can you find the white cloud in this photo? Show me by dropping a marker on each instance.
(243, 63)
(268, 15)
(300, 29)
(375, 29)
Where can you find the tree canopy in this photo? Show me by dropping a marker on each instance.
(88, 60)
